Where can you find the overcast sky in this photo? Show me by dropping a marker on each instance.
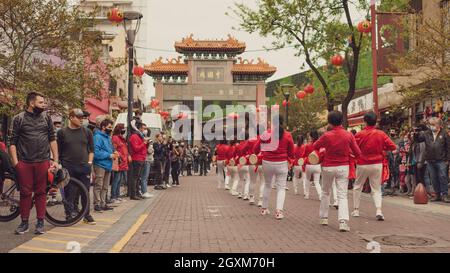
(167, 21)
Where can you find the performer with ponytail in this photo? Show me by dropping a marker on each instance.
(277, 147)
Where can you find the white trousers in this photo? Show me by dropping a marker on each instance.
(373, 173)
(296, 179)
(227, 176)
(314, 171)
(220, 174)
(262, 181)
(340, 174)
(254, 179)
(277, 171)
(244, 178)
(234, 178)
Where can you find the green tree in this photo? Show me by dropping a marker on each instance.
(45, 46)
(303, 115)
(317, 31)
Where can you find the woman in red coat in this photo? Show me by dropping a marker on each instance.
(120, 174)
(277, 147)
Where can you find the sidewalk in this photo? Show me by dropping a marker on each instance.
(58, 239)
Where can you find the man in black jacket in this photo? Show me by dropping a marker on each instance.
(31, 137)
(437, 154)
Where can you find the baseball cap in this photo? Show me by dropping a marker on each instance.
(76, 112)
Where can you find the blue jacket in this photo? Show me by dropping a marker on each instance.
(103, 149)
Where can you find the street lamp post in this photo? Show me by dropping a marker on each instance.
(286, 92)
(131, 31)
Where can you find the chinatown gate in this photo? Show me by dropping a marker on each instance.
(209, 69)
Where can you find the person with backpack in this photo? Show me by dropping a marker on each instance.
(31, 138)
(76, 151)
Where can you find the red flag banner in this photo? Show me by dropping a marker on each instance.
(391, 41)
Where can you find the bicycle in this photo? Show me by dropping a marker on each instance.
(67, 199)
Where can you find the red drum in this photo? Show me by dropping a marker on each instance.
(300, 161)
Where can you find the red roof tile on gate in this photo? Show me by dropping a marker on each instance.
(229, 45)
(173, 66)
(248, 67)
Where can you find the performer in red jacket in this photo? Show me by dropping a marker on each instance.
(232, 169)
(313, 170)
(373, 143)
(244, 177)
(299, 153)
(221, 157)
(255, 171)
(338, 144)
(277, 148)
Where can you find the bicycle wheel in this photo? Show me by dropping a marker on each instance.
(67, 206)
(9, 201)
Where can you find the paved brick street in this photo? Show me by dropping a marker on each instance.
(197, 217)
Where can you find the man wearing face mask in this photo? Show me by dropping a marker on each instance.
(437, 155)
(31, 137)
(103, 160)
(139, 144)
(76, 149)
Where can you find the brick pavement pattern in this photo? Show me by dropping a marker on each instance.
(199, 218)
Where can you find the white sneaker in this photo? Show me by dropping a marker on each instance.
(147, 195)
(246, 197)
(279, 214)
(239, 195)
(343, 226)
(252, 200)
(265, 212)
(306, 196)
(380, 216)
(260, 203)
(286, 188)
(324, 221)
(234, 193)
(169, 186)
(227, 187)
(355, 213)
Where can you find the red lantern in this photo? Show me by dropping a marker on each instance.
(115, 16)
(337, 60)
(309, 89)
(301, 95)
(286, 103)
(138, 71)
(365, 26)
